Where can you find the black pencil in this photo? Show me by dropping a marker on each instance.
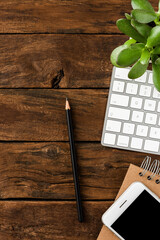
(74, 162)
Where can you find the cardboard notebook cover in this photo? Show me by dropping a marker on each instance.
(131, 176)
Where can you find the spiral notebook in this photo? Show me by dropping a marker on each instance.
(148, 174)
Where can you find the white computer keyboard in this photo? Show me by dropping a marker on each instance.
(132, 119)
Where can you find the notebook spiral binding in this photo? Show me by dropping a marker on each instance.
(153, 167)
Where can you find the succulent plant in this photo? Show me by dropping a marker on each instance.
(143, 28)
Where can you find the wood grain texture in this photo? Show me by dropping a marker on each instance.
(80, 16)
(50, 220)
(56, 61)
(43, 170)
(39, 115)
(37, 52)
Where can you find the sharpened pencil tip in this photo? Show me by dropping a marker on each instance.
(67, 107)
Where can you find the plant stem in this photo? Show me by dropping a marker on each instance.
(159, 7)
(157, 22)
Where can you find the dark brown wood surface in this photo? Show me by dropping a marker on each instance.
(50, 50)
(49, 220)
(39, 114)
(80, 16)
(56, 61)
(43, 170)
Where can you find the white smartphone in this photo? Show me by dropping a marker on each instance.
(135, 214)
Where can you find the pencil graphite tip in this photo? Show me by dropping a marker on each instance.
(67, 107)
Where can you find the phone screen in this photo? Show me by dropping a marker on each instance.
(140, 221)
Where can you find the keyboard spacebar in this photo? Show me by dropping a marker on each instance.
(119, 113)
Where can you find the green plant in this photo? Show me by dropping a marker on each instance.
(143, 28)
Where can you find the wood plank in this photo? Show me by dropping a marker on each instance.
(59, 61)
(80, 16)
(39, 115)
(50, 220)
(43, 170)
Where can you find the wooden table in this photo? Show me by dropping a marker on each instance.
(50, 50)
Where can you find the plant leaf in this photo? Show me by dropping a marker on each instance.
(115, 53)
(143, 29)
(142, 4)
(154, 37)
(156, 50)
(156, 73)
(130, 42)
(143, 16)
(145, 57)
(157, 62)
(137, 70)
(128, 16)
(125, 26)
(130, 55)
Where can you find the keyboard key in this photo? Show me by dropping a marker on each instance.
(145, 91)
(156, 94)
(132, 88)
(155, 133)
(142, 131)
(128, 128)
(136, 143)
(136, 102)
(122, 73)
(119, 113)
(142, 79)
(118, 86)
(150, 80)
(158, 109)
(151, 118)
(119, 100)
(133, 113)
(123, 141)
(109, 138)
(113, 126)
(149, 105)
(137, 116)
(152, 146)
